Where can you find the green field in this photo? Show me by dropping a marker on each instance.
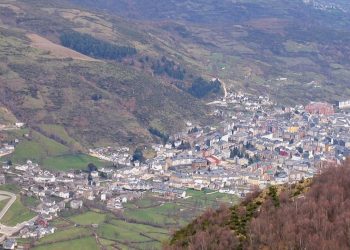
(71, 233)
(37, 148)
(87, 243)
(48, 152)
(69, 161)
(17, 213)
(147, 224)
(59, 132)
(10, 188)
(30, 201)
(177, 212)
(3, 203)
(88, 218)
(164, 214)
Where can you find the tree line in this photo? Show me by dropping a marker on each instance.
(90, 46)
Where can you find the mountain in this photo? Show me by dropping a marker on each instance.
(97, 100)
(291, 50)
(108, 71)
(307, 215)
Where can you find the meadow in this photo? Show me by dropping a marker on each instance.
(145, 224)
(49, 153)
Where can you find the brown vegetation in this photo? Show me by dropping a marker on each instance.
(290, 217)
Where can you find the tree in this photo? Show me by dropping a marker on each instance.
(93, 47)
(138, 155)
(168, 67)
(201, 88)
(91, 167)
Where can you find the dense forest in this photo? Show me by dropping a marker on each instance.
(201, 88)
(311, 214)
(93, 47)
(168, 67)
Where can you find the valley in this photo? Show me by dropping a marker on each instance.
(174, 124)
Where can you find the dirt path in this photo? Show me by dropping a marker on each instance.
(56, 50)
(224, 87)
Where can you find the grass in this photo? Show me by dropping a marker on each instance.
(30, 201)
(87, 243)
(112, 232)
(71, 161)
(210, 198)
(59, 132)
(65, 235)
(137, 235)
(6, 116)
(59, 222)
(88, 218)
(107, 243)
(162, 215)
(10, 188)
(36, 148)
(139, 227)
(17, 213)
(3, 203)
(47, 152)
(177, 212)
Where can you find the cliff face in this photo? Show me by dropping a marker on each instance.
(313, 214)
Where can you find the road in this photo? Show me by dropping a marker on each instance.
(223, 101)
(9, 203)
(224, 87)
(7, 231)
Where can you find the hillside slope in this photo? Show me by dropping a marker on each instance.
(98, 101)
(288, 49)
(308, 215)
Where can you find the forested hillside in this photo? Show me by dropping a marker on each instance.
(308, 215)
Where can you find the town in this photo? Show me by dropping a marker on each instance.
(255, 144)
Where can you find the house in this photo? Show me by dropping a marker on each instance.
(19, 124)
(2, 179)
(9, 244)
(199, 163)
(63, 194)
(344, 104)
(94, 174)
(213, 160)
(76, 204)
(41, 222)
(103, 196)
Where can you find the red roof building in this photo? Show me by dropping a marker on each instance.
(213, 160)
(321, 108)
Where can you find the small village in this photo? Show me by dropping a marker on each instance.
(256, 144)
